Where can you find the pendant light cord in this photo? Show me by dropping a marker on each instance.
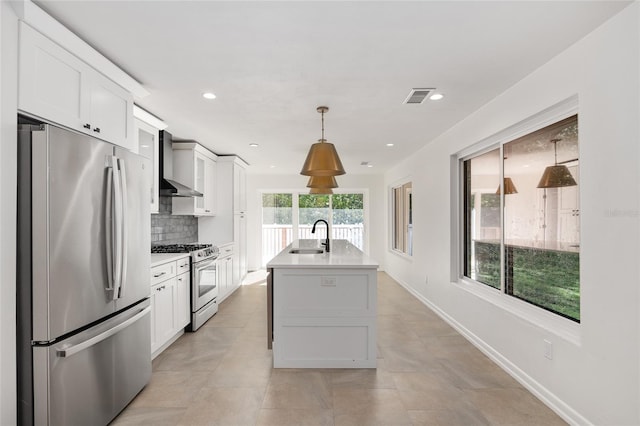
(322, 114)
(555, 151)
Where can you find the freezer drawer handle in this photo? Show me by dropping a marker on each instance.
(67, 352)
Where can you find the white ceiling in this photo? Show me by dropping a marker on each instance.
(272, 63)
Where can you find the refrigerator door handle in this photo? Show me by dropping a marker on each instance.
(108, 222)
(117, 229)
(125, 228)
(72, 350)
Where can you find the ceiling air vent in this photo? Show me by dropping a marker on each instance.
(417, 96)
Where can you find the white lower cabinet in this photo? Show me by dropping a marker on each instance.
(170, 303)
(163, 313)
(226, 265)
(183, 315)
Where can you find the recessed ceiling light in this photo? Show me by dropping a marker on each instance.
(272, 166)
(209, 95)
(436, 97)
(253, 145)
(369, 165)
(389, 144)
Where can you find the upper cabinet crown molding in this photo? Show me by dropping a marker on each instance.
(33, 15)
(148, 118)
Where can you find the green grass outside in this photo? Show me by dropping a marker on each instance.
(549, 279)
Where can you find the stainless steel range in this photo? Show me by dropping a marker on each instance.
(204, 280)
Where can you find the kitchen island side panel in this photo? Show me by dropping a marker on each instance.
(324, 317)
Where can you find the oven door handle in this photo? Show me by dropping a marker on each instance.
(204, 264)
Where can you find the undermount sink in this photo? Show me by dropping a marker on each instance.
(306, 251)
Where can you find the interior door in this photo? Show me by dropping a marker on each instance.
(68, 225)
(136, 282)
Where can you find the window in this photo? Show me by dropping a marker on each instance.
(347, 218)
(526, 243)
(289, 216)
(402, 219)
(312, 207)
(277, 224)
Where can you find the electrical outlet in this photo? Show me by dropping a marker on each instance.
(328, 281)
(548, 349)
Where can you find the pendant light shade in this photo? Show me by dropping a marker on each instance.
(558, 175)
(322, 182)
(509, 187)
(320, 191)
(322, 159)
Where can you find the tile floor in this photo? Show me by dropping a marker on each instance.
(427, 375)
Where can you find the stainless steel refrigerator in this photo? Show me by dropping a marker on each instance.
(83, 277)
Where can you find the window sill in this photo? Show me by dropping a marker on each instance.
(550, 322)
(401, 254)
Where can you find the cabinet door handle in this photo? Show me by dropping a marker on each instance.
(87, 126)
(159, 275)
(97, 130)
(207, 211)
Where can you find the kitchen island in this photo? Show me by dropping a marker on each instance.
(322, 306)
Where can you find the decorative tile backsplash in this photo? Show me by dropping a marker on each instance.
(169, 229)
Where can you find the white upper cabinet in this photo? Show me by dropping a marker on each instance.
(56, 86)
(239, 188)
(147, 145)
(195, 167)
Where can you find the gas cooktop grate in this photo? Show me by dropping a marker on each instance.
(178, 248)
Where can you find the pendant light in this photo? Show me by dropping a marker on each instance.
(322, 159)
(320, 191)
(558, 175)
(322, 182)
(509, 187)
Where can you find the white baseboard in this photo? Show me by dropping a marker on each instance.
(561, 408)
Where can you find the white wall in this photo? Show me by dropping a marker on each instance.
(595, 380)
(257, 183)
(8, 171)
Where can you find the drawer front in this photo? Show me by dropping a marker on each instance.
(182, 265)
(226, 250)
(163, 272)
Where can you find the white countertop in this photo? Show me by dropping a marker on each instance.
(343, 254)
(160, 258)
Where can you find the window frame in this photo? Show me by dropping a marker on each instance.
(540, 317)
(403, 187)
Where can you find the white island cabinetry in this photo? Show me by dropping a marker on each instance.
(324, 307)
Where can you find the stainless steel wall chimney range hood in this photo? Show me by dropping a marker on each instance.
(168, 186)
